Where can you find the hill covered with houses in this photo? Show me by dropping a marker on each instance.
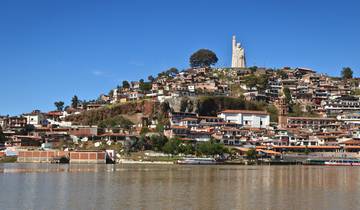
(175, 111)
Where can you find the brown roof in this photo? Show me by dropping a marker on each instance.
(179, 127)
(310, 118)
(351, 142)
(244, 112)
(189, 118)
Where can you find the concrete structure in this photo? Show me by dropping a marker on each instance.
(40, 156)
(246, 118)
(238, 55)
(88, 157)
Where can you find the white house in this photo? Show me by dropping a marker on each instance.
(35, 118)
(247, 118)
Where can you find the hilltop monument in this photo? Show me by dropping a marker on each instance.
(238, 55)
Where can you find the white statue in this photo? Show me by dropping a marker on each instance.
(238, 55)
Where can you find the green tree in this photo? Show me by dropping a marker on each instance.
(2, 136)
(172, 146)
(262, 82)
(27, 129)
(210, 148)
(251, 154)
(165, 107)
(172, 71)
(203, 58)
(187, 149)
(296, 110)
(253, 69)
(144, 130)
(273, 112)
(183, 105)
(74, 102)
(125, 84)
(151, 78)
(287, 93)
(112, 122)
(145, 86)
(347, 73)
(282, 74)
(59, 105)
(160, 127)
(158, 142)
(250, 81)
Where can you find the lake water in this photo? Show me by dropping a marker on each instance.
(47, 186)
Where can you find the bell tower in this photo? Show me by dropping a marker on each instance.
(283, 110)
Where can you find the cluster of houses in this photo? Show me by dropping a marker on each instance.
(335, 124)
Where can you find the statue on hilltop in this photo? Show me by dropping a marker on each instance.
(238, 55)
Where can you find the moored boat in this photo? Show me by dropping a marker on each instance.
(197, 161)
(343, 162)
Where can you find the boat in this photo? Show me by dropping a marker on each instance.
(343, 162)
(197, 161)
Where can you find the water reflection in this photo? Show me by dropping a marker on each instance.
(46, 186)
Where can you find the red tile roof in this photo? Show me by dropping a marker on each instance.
(244, 112)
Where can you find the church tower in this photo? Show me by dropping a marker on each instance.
(283, 110)
(238, 55)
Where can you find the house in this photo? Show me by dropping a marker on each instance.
(135, 95)
(315, 123)
(15, 122)
(83, 131)
(35, 118)
(246, 118)
(343, 104)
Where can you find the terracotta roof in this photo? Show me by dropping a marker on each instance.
(245, 112)
(179, 127)
(351, 142)
(188, 119)
(310, 118)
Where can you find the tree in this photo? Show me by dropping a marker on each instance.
(183, 105)
(253, 69)
(59, 105)
(125, 84)
(158, 142)
(273, 112)
(287, 93)
(282, 74)
(347, 73)
(203, 58)
(145, 86)
(210, 148)
(251, 154)
(250, 81)
(172, 71)
(2, 136)
(172, 147)
(74, 102)
(151, 78)
(262, 82)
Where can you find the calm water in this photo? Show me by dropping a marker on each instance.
(46, 186)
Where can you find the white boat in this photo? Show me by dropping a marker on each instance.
(197, 161)
(343, 162)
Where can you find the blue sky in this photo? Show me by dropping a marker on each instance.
(53, 49)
